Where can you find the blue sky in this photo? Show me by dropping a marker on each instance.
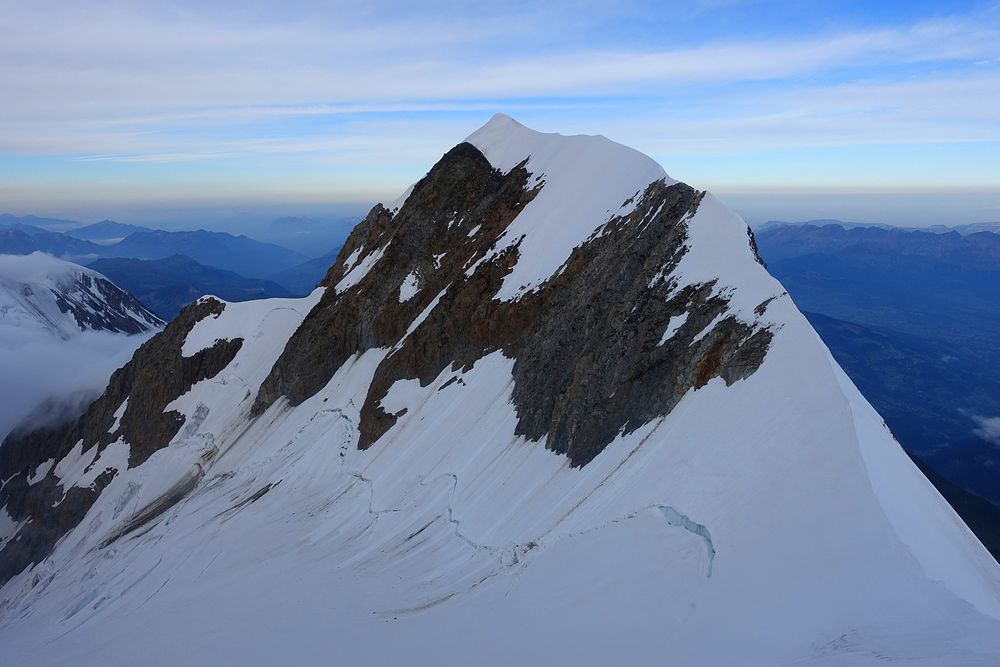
(873, 111)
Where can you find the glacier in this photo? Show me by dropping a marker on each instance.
(770, 520)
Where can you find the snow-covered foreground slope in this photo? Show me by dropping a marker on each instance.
(765, 517)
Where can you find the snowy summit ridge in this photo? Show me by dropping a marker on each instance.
(56, 297)
(547, 407)
(580, 192)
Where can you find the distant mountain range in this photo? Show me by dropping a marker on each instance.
(908, 281)
(166, 285)
(241, 254)
(222, 250)
(914, 319)
(971, 228)
(23, 239)
(105, 232)
(49, 224)
(168, 270)
(302, 279)
(307, 235)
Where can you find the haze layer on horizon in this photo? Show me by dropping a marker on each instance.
(873, 112)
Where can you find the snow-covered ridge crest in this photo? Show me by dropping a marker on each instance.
(586, 180)
(42, 292)
(397, 480)
(39, 267)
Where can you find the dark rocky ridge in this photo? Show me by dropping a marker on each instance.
(587, 360)
(157, 374)
(463, 187)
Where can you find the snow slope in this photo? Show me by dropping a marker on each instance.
(773, 521)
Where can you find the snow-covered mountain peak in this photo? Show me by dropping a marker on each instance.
(39, 291)
(539, 411)
(37, 267)
(584, 180)
(506, 142)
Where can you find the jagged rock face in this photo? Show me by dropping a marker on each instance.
(429, 239)
(98, 304)
(589, 361)
(156, 375)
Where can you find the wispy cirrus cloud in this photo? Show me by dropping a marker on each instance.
(326, 86)
(116, 64)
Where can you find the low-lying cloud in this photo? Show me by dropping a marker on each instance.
(988, 428)
(34, 369)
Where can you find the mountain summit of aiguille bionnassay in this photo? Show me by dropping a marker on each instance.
(546, 408)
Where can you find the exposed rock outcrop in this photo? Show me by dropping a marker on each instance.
(158, 373)
(589, 360)
(98, 304)
(429, 238)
